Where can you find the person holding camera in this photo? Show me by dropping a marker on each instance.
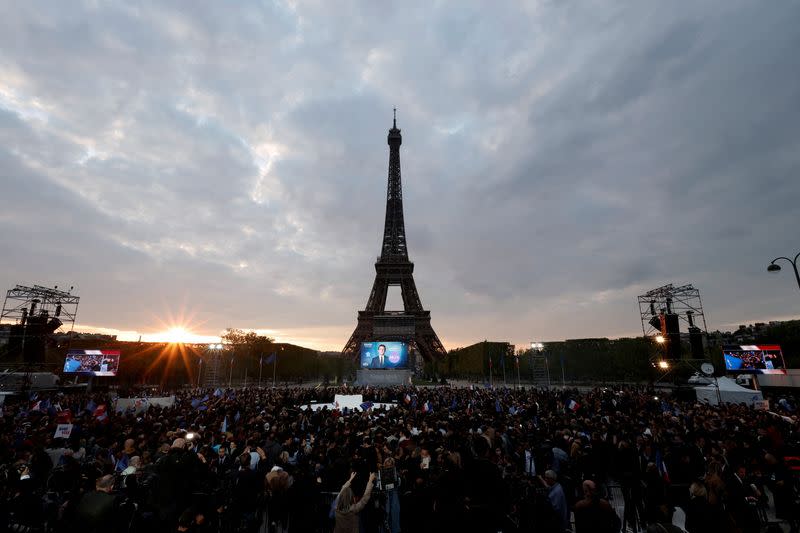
(346, 510)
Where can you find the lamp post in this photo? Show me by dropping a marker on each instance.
(776, 268)
(199, 370)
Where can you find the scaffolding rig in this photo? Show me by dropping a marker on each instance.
(683, 301)
(34, 313)
(685, 305)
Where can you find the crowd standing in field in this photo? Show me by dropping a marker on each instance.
(455, 459)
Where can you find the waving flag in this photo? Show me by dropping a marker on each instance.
(407, 399)
(224, 427)
(426, 407)
(64, 417)
(271, 358)
(100, 414)
(497, 406)
(90, 407)
(662, 468)
(573, 406)
(366, 406)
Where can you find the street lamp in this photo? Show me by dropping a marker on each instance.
(777, 268)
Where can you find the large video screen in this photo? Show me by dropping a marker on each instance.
(754, 359)
(93, 362)
(384, 354)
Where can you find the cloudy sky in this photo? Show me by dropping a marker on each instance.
(215, 164)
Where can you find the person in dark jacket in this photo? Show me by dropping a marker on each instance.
(594, 514)
(97, 511)
(697, 510)
(177, 473)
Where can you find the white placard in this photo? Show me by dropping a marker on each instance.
(761, 405)
(63, 431)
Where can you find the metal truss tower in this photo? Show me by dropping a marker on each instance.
(34, 313)
(683, 301)
(413, 324)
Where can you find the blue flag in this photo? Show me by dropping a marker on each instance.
(271, 358)
(91, 406)
(366, 406)
(225, 424)
(497, 406)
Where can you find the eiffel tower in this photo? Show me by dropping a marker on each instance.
(413, 324)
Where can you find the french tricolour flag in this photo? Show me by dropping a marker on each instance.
(573, 406)
(407, 399)
(100, 413)
(426, 407)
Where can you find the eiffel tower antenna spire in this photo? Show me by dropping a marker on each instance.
(393, 267)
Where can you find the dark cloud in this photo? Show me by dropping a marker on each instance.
(558, 159)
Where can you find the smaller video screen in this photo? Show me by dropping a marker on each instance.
(754, 359)
(92, 362)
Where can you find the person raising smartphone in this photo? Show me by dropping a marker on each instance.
(346, 510)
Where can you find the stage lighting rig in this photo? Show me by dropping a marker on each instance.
(35, 313)
(663, 309)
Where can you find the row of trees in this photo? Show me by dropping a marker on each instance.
(247, 354)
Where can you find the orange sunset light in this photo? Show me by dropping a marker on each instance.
(179, 335)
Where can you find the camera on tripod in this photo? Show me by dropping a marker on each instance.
(387, 478)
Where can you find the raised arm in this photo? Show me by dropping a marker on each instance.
(347, 483)
(356, 508)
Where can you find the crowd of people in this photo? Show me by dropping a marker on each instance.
(439, 458)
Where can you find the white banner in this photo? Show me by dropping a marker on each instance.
(140, 405)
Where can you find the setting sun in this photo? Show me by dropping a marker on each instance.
(179, 335)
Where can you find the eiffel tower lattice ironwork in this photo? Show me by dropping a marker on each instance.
(413, 324)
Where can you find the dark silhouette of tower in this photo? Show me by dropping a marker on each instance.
(413, 324)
